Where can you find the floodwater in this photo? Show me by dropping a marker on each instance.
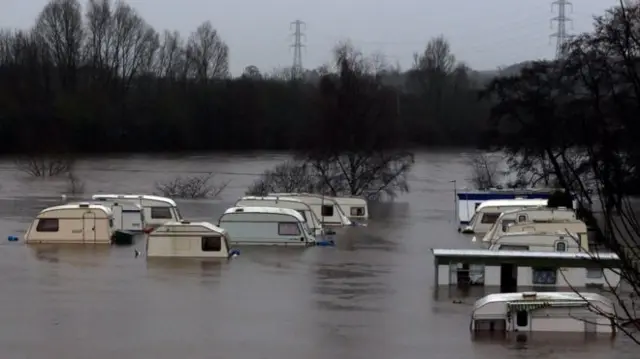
(369, 297)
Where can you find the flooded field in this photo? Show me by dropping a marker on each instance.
(370, 297)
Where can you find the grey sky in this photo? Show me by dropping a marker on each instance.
(484, 34)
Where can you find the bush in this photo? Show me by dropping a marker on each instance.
(44, 166)
(191, 187)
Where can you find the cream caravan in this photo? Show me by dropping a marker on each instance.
(354, 207)
(544, 312)
(156, 210)
(313, 222)
(188, 240)
(488, 212)
(539, 219)
(81, 223)
(326, 208)
(127, 216)
(266, 226)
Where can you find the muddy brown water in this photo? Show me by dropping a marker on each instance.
(370, 297)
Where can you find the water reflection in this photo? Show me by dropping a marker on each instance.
(75, 255)
(167, 269)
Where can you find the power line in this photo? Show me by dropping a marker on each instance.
(296, 68)
(561, 19)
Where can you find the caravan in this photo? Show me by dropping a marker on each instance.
(127, 216)
(538, 219)
(488, 212)
(81, 223)
(326, 208)
(266, 226)
(544, 312)
(313, 222)
(188, 240)
(156, 210)
(354, 207)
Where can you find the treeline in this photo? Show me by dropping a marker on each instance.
(98, 78)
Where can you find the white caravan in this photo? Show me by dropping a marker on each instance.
(313, 222)
(544, 312)
(325, 207)
(127, 216)
(354, 207)
(539, 219)
(81, 223)
(559, 241)
(488, 212)
(188, 240)
(266, 226)
(156, 210)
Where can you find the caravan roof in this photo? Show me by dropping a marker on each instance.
(544, 296)
(273, 210)
(98, 207)
(166, 200)
(511, 203)
(205, 225)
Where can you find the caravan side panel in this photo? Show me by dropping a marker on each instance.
(262, 228)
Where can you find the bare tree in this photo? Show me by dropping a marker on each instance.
(207, 54)
(192, 187)
(287, 177)
(171, 62)
(485, 173)
(437, 57)
(44, 166)
(252, 72)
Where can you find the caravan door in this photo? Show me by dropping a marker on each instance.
(89, 227)
(118, 220)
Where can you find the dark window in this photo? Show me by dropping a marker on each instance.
(288, 229)
(357, 211)
(510, 247)
(544, 276)
(211, 244)
(327, 211)
(48, 225)
(522, 218)
(522, 318)
(490, 217)
(161, 213)
(561, 246)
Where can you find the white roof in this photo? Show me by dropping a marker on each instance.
(512, 203)
(309, 195)
(542, 296)
(272, 210)
(206, 225)
(166, 200)
(123, 204)
(271, 198)
(522, 254)
(77, 206)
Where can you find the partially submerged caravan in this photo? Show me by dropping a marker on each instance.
(81, 223)
(156, 210)
(313, 222)
(266, 226)
(127, 216)
(544, 312)
(354, 207)
(188, 240)
(559, 241)
(326, 208)
(488, 212)
(538, 219)
(468, 201)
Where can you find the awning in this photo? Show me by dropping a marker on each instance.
(527, 305)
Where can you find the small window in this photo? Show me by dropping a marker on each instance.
(288, 229)
(161, 213)
(594, 273)
(490, 218)
(357, 211)
(522, 218)
(211, 244)
(47, 225)
(509, 247)
(522, 318)
(302, 214)
(327, 211)
(544, 276)
(561, 246)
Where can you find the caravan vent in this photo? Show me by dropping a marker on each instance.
(83, 205)
(185, 222)
(529, 295)
(239, 209)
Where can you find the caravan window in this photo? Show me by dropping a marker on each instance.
(357, 211)
(288, 229)
(511, 247)
(48, 225)
(561, 246)
(522, 218)
(327, 210)
(211, 244)
(490, 218)
(161, 213)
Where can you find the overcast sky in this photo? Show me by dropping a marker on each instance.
(484, 34)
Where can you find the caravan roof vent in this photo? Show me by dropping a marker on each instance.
(83, 205)
(526, 295)
(239, 210)
(184, 221)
